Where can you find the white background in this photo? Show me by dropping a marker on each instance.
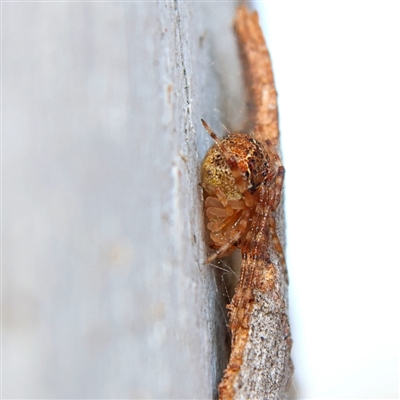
(337, 69)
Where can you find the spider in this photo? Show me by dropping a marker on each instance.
(243, 181)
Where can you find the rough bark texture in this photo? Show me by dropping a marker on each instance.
(105, 291)
(260, 366)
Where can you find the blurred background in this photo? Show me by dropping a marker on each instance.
(336, 66)
(104, 289)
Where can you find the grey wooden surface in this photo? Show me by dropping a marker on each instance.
(104, 288)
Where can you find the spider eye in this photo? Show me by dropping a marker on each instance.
(254, 186)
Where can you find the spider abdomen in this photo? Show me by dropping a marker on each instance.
(250, 156)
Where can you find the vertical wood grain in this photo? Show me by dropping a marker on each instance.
(105, 291)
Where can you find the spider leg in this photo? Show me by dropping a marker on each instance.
(274, 199)
(276, 188)
(220, 224)
(256, 232)
(275, 239)
(278, 246)
(241, 226)
(277, 176)
(257, 239)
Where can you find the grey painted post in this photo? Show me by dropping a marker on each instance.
(104, 288)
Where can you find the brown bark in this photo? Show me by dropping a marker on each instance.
(260, 366)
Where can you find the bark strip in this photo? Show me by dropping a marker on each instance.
(260, 366)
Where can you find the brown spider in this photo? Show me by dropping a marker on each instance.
(243, 180)
(242, 176)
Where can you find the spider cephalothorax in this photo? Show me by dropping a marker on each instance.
(243, 182)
